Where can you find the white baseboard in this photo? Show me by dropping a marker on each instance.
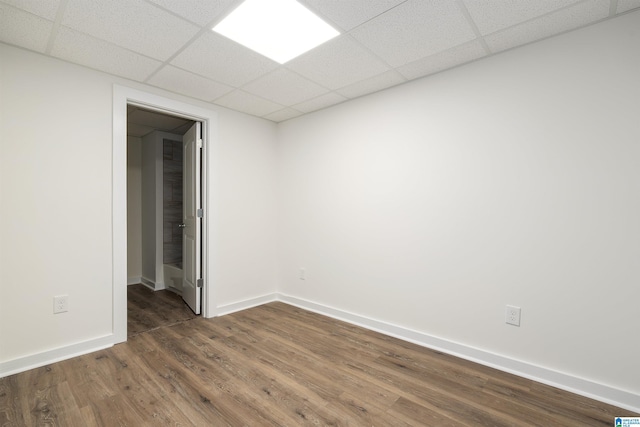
(573, 384)
(25, 363)
(570, 383)
(134, 280)
(153, 285)
(245, 304)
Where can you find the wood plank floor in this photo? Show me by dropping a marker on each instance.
(148, 310)
(277, 365)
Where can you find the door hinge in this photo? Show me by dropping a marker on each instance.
(199, 213)
(199, 143)
(199, 283)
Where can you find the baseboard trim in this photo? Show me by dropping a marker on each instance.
(245, 304)
(570, 383)
(48, 357)
(134, 280)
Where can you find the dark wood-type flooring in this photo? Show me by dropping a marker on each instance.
(277, 365)
(148, 310)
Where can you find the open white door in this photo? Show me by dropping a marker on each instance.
(192, 219)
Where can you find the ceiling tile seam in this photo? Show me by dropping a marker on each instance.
(316, 97)
(226, 12)
(395, 70)
(250, 94)
(285, 108)
(613, 8)
(325, 18)
(103, 41)
(474, 26)
(62, 6)
(202, 76)
(378, 15)
(370, 52)
(281, 67)
(171, 12)
(203, 31)
(536, 18)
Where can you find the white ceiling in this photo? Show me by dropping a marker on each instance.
(169, 44)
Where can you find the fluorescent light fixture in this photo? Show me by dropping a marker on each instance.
(277, 29)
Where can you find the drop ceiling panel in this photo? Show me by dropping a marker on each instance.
(440, 61)
(284, 87)
(186, 83)
(349, 14)
(24, 29)
(338, 63)
(372, 84)
(134, 129)
(201, 12)
(282, 115)
(626, 5)
(248, 103)
(323, 101)
(564, 20)
(169, 44)
(415, 29)
(43, 8)
(82, 49)
(133, 24)
(223, 60)
(494, 15)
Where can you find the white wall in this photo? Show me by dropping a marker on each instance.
(151, 209)
(512, 180)
(56, 233)
(134, 208)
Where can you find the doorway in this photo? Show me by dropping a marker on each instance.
(163, 227)
(122, 98)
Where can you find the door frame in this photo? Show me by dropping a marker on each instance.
(123, 96)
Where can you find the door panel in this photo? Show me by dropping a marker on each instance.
(192, 231)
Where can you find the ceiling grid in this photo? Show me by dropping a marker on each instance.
(169, 44)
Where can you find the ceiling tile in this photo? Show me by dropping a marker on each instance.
(349, 14)
(415, 29)
(43, 8)
(248, 103)
(223, 60)
(443, 60)
(202, 12)
(320, 102)
(494, 15)
(24, 29)
(134, 129)
(186, 83)
(94, 53)
(626, 5)
(284, 87)
(372, 84)
(282, 115)
(338, 63)
(549, 25)
(133, 24)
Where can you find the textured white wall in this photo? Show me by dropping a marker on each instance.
(134, 207)
(512, 180)
(56, 194)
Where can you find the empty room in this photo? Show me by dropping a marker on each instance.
(319, 212)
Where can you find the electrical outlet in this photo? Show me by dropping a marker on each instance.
(303, 273)
(60, 304)
(512, 316)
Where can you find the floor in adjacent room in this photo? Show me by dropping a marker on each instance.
(277, 365)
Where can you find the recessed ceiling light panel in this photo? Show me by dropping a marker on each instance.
(277, 29)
